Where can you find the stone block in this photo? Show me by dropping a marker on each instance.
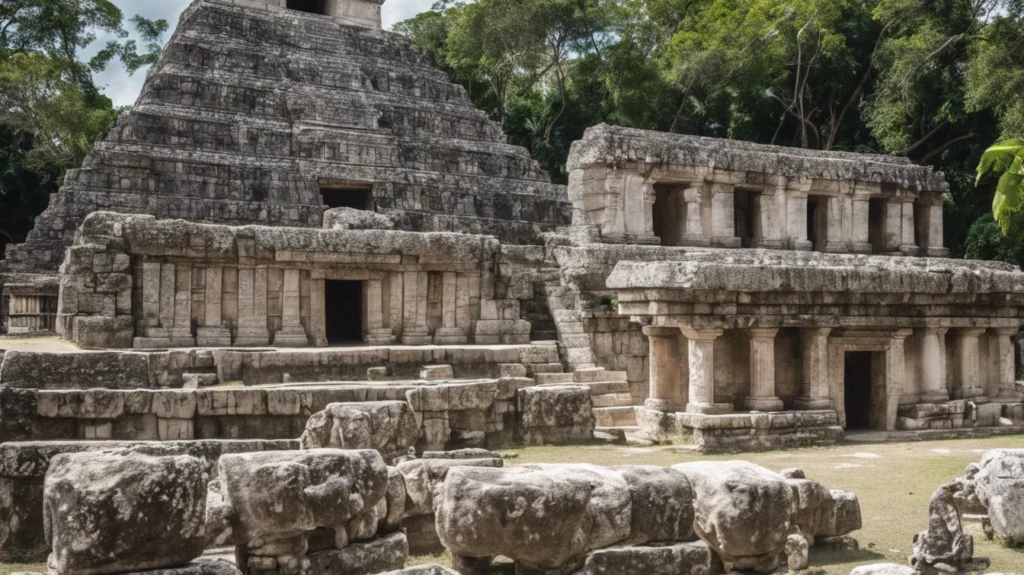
(561, 414)
(71, 370)
(385, 553)
(437, 373)
(688, 558)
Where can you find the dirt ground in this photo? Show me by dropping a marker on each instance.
(894, 482)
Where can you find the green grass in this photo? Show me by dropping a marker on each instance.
(8, 568)
(894, 482)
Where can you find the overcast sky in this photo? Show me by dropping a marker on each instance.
(123, 89)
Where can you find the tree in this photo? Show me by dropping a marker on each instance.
(1006, 159)
(51, 112)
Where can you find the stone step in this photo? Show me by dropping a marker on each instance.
(575, 340)
(197, 380)
(553, 378)
(598, 374)
(606, 387)
(613, 400)
(615, 416)
(578, 357)
(535, 368)
(610, 434)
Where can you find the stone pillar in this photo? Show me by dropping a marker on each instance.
(292, 333)
(834, 224)
(796, 219)
(373, 299)
(762, 371)
(213, 333)
(932, 241)
(893, 225)
(908, 245)
(701, 361)
(723, 216)
(449, 333)
(664, 368)
(933, 366)
(694, 231)
(768, 213)
(252, 308)
(861, 225)
(895, 376)
(814, 393)
(318, 311)
(967, 384)
(1005, 360)
(414, 330)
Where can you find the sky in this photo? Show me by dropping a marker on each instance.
(124, 89)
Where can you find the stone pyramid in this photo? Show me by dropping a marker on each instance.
(254, 108)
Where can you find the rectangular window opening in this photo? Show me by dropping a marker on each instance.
(310, 6)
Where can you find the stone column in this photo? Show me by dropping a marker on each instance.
(762, 371)
(252, 308)
(968, 379)
(833, 217)
(414, 330)
(292, 333)
(796, 219)
(213, 333)
(860, 225)
(769, 201)
(1005, 360)
(449, 333)
(933, 366)
(723, 216)
(701, 361)
(664, 368)
(895, 376)
(814, 393)
(893, 225)
(373, 299)
(932, 241)
(318, 311)
(694, 221)
(908, 245)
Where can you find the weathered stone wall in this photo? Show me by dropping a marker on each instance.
(253, 108)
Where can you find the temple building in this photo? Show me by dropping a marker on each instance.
(299, 197)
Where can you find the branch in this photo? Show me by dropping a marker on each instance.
(924, 159)
(924, 139)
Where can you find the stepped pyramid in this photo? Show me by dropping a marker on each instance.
(253, 109)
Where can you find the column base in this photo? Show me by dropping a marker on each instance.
(416, 337)
(805, 403)
(725, 242)
(936, 252)
(662, 405)
(764, 404)
(381, 336)
(293, 336)
(861, 248)
(934, 397)
(971, 393)
(803, 245)
(163, 342)
(768, 244)
(688, 240)
(449, 336)
(709, 408)
(910, 250)
(252, 337)
(213, 337)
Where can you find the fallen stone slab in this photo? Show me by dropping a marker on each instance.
(661, 502)
(365, 558)
(883, 569)
(423, 570)
(685, 558)
(388, 426)
(117, 512)
(999, 485)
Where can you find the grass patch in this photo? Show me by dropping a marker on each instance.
(235, 383)
(8, 568)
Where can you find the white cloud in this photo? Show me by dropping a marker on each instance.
(124, 89)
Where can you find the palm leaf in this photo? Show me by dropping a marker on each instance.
(1008, 199)
(999, 157)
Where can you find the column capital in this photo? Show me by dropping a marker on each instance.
(762, 332)
(816, 331)
(929, 330)
(970, 331)
(660, 331)
(1006, 331)
(702, 334)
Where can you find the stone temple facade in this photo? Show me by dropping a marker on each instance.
(301, 212)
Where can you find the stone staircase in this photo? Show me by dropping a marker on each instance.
(609, 390)
(574, 344)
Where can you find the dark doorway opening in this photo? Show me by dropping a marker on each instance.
(817, 222)
(311, 6)
(669, 213)
(355, 197)
(745, 216)
(343, 311)
(876, 224)
(857, 384)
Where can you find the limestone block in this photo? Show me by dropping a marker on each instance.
(884, 569)
(437, 373)
(524, 512)
(328, 488)
(46, 370)
(174, 404)
(453, 396)
(661, 503)
(999, 484)
(423, 476)
(556, 414)
(197, 567)
(423, 570)
(231, 401)
(387, 552)
(394, 499)
(688, 558)
(85, 498)
(742, 511)
(91, 404)
(387, 426)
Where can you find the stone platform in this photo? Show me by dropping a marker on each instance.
(736, 432)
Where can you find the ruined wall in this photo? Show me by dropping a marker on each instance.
(252, 108)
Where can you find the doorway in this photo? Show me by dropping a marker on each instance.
(668, 213)
(745, 216)
(876, 224)
(343, 311)
(311, 6)
(817, 222)
(857, 385)
(357, 198)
